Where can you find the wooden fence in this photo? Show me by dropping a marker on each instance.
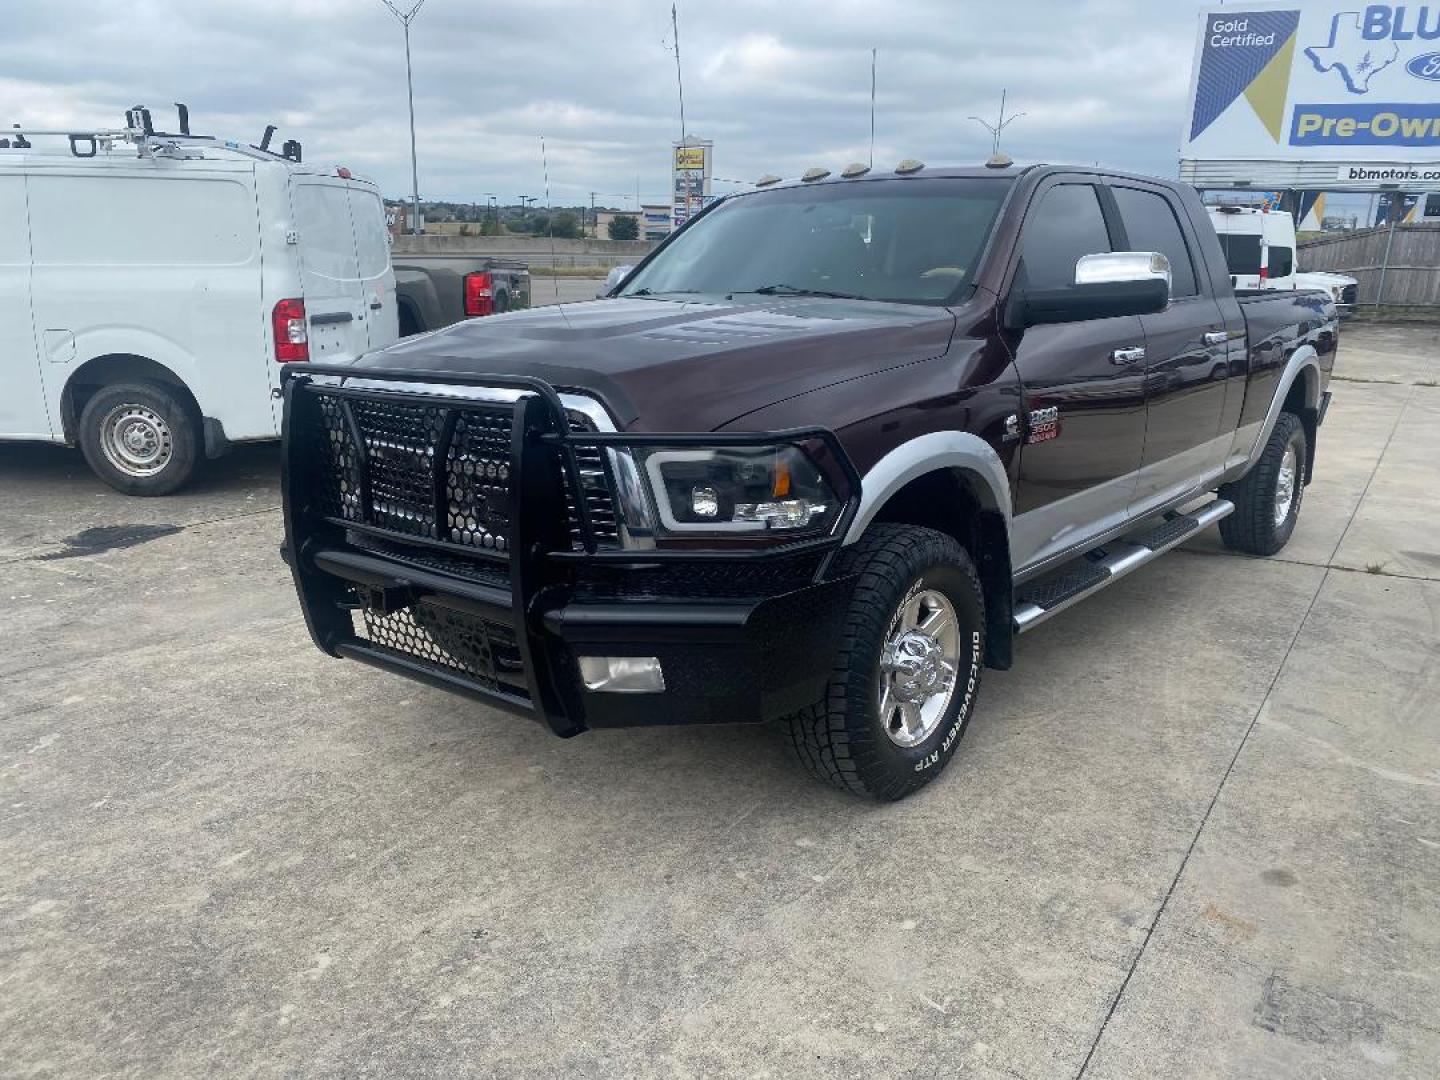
(1411, 273)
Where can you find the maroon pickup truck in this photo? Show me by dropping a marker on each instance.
(816, 461)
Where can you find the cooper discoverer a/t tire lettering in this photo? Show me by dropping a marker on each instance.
(911, 584)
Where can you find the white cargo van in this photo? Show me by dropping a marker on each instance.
(151, 285)
(1259, 249)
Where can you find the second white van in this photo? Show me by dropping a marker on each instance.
(1260, 249)
(156, 283)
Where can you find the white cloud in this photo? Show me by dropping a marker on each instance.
(778, 86)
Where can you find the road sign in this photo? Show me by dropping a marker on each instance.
(690, 175)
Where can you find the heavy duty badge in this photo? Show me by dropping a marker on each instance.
(1044, 425)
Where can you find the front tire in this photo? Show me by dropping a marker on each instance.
(141, 438)
(905, 677)
(1267, 498)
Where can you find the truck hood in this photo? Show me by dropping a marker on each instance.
(661, 365)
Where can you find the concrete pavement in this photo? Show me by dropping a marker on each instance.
(1194, 832)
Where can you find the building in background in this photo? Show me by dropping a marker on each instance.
(656, 221)
(653, 220)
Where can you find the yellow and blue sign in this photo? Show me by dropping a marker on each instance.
(1329, 80)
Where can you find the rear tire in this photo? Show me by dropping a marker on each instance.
(141, 438)
(892, 714)
(1267, 498)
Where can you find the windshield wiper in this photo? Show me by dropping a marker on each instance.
(792, 290)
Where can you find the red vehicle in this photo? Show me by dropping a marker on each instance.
(818, 460)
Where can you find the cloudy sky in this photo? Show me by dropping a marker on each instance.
(780, 85)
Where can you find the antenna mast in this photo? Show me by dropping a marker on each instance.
(679, 82)
(997, 128)
(873, 51)
(550, 228)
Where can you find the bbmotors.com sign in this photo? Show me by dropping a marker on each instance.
(1387, 174)
(1329, 79)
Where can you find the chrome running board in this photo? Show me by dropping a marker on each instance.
(1106, 564)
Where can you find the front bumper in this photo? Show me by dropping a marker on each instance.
(740, 636)
(723, 661)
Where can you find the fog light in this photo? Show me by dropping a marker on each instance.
(622, 674)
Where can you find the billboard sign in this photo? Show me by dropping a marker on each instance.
(690, 178)
(1333, 81)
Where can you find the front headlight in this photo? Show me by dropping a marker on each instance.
(741, 490)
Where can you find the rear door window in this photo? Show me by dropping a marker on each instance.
(1282, 261)
(1066, 224)
(1242, 252)
(372, 248)
(327, 244)
(1150, 225)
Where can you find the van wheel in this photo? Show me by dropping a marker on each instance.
(1267, 498)
(140, 438)
(904, 681)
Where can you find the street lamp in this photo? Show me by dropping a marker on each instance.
(406, 18)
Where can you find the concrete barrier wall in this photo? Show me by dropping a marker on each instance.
(1412, 274)
(537, 251)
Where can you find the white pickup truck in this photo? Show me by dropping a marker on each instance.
(1259, 248)
(152, 285)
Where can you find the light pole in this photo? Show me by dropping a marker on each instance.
(406, 18)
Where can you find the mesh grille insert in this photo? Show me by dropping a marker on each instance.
(442, 472)
(450, 640)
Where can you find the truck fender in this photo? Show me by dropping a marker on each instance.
(928, 453)
(1304, 363)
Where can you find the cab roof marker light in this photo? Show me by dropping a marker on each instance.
(909, 165)
(814, 174)
(767, 180)
(854, 169)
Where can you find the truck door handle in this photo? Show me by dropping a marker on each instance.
(1128, 356)
(1216, 337)
(376, 305)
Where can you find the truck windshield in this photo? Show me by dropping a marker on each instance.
(1242, 253)
(913, 241)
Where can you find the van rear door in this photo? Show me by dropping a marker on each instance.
(377, 280)
(329, 268)
(23, 414)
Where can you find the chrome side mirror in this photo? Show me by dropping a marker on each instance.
(1107, 284)
(1111, 267)
(616, 275)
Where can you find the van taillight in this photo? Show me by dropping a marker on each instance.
(478, 297)
(292, 336)
(1264, 274)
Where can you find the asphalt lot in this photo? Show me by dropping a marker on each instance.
(1195, 831)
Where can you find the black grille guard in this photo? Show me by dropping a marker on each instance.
(546, 424)
(334, 578)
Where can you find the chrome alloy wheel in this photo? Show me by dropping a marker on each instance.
(1285, 483)
(917, 667)
(136, 440)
